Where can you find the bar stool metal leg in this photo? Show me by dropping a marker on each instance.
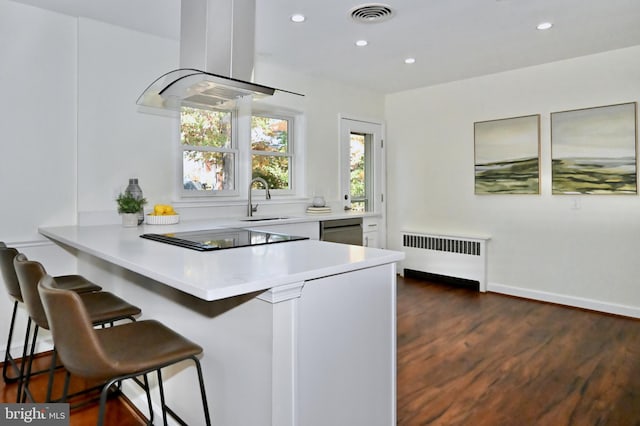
(147, 389)
(23, 364)
(8, 359)
(166, 409)
(52, 371)
(27, 376)
(203, 393)
(105, 392)
(65, 389)
(103, 402)
(163, 404)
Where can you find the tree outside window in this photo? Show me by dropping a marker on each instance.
(358, 156)
(208, 153)
(271, 155)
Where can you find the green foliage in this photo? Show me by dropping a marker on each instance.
(357, 179)
(270, 135)
(357, 166)
(206, 128)
(127, 203)
(209, 132)
(275, 171)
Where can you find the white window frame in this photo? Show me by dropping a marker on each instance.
(370, 173)
(234, 149)
(291, 150)
(241, 140)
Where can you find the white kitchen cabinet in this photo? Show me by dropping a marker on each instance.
(346, 349)
(370, 233)
(370, 239)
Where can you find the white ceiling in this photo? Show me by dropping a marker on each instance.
(450, 39)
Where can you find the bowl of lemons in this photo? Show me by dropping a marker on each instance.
(162, 214)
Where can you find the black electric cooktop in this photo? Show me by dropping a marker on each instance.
(219, 239)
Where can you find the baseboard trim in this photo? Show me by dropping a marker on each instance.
(562, 299)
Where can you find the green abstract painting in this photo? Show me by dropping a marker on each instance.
(507, 156)
(593, 150)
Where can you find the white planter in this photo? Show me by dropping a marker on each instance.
(129, 220)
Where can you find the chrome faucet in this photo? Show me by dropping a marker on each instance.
(251, 208)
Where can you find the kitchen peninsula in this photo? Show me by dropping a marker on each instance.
(294, 333)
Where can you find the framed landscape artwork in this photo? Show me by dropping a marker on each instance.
(507, 156)
(593, 150)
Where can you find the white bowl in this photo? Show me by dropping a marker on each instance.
(162, 220)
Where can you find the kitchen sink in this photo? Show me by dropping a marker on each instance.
(260, 219)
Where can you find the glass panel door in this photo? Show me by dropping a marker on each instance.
(361, 165)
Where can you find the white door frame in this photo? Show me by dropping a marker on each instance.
(376, 129)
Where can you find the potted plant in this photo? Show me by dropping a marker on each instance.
(130, 207)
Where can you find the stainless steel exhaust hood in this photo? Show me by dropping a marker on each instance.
(216, 58)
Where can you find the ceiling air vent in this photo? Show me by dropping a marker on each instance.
(371, 13)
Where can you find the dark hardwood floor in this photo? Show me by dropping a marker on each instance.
(119, 411)
(466, 358)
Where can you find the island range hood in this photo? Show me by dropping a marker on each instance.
(196, 88)
(216, 58)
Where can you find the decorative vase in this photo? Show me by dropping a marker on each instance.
(129, 220)
(134, 190)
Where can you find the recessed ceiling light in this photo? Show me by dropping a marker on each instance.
(361, 43)
(410, 61)
(298, 17)
(544, 25)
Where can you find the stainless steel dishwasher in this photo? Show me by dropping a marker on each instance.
(346, 231)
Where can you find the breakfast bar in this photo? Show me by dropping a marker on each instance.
(300, 332)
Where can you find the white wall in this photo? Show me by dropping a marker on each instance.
(38, 125)
(37, 139)
(115, 140)
(541, 246)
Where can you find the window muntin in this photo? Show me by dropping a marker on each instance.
(271, 153)
(209, 154)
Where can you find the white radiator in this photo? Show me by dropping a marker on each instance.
(448, 255)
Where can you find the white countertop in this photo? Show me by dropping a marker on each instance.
(218, 274)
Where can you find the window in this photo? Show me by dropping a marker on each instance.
(360, 184)
(209, 154)
(271, 153)
(223, 150)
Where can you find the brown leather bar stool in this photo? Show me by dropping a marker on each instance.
(102, 307)
(115, 353)
(71, 282)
